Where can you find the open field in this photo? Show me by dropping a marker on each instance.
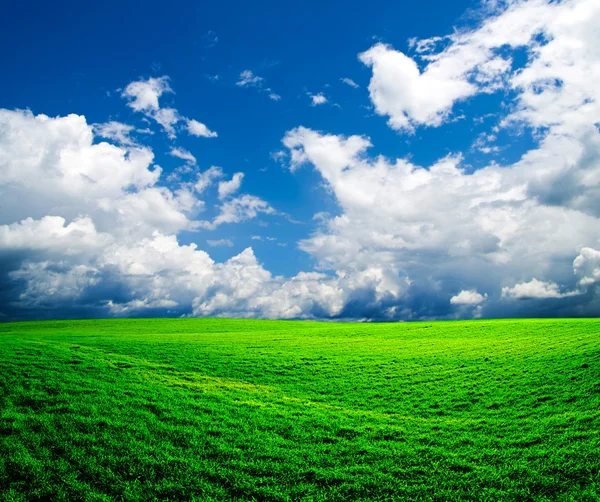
(205, 409)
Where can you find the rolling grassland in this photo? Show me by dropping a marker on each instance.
(222, 409)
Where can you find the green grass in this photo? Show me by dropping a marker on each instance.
(205, 409)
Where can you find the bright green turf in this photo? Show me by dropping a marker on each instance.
(204, 409)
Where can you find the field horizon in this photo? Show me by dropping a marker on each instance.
(244, 409)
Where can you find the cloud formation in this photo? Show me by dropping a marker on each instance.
(88, 227)
(182, 153)
(422, 90)
(115, 131)
(249, 79)
(317, 99)
(467, 297)
(535, 289)
(433, 226)
(143, 96)
(89, 230)
(227, 188)
(196, 128)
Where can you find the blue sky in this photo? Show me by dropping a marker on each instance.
(409, 161)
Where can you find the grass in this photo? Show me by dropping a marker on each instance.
(207, 409)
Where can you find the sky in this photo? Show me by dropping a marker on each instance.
(373, 161)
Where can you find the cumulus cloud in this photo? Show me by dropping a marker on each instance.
(87, 227)
(399, 89)
(60, 166)
(587, 267)
(227, 188)
(53, 234)
(468, 297)
(153, 208)
(423, 90)
(499, 226)
(157, 273)
(431, 224)
(535, 289)
(143, 95)
(89, 230)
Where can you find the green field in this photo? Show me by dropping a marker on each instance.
(206, 409)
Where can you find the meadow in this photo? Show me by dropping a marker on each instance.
(222, 409)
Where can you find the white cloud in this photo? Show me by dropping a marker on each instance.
(167, 118)
(274, 97)
(182, 153)
(484, 143)
(207, 178)
(246, 289)
(468, 297)
(227, 188)
(335, 151)
(238, 209)
(105, 238)
(93, 232)
(196, 128)
(139, 305)
(535, 289)
(89, 243)
(399, 89)
(436, 222)
(154, 208)
(220, 242)
(143, 96)
(51, 233)
(115, 131)
(350, 82)
(60, 166)
(430, 224)
(470, 62)
(278, 156)
(86, 224)
(587, 267)
(317, 99)
(248, 79)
